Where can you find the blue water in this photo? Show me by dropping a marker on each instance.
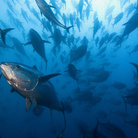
(107, 103)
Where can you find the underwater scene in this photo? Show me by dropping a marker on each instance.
(69, 69)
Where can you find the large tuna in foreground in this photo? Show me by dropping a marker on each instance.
(33, 86)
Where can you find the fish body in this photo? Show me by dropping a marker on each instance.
(38, 44)
(47, 12)
(32, 85)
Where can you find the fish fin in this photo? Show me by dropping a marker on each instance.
(35, 67)
(41, 13)
(51, 6)
(129, 53)
(28, 104)
(35, 103)
(52, 36)
(13, 90)
(136, 84)
(126, 23)
(4, 32)
(113, 25)
(134, 76)
(47, 77)
(68, 28)
(46, 61)
(63, 113)
(0, 75)
(135, 65)
(50, 84)
(44, 41)
(29, 43)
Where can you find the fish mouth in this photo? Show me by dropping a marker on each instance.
(5, 69)
(3, 65)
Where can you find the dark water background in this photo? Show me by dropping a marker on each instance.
(15, 122)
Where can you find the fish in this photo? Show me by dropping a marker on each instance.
(38, 112)
(134, 50)
(38, 44)
(118, 18)
(97, 26)
(133, 122)
(4, 32)
(60, 135)
(79, 8)
(2, 45)
(73, 72)
(32, 85)
(136, 67)
(109, 11)
(131, 25)
(47, 12)
(19, 46)
(119, 85)
(112, 130)
(78, 53)
(78, 23)
(97, 133)
(101, 51)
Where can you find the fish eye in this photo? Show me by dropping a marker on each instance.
(18, 67)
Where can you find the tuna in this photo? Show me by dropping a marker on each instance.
(47, 12)
(38, 44)
(33, 86)
(4, 32)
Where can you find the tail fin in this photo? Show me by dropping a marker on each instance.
(60, 135)
(4, 32)
(67, 106)
(129, 53)
(64, 113)
(67, 28)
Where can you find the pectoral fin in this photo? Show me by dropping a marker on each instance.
(35, 103)
(47, 77)
(13, 90)
(51, 6)
(29, 43)
(28, 104)
(44, 41)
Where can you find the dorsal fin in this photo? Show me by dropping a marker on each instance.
(47, 77)
(13, 90)
(35, 67)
